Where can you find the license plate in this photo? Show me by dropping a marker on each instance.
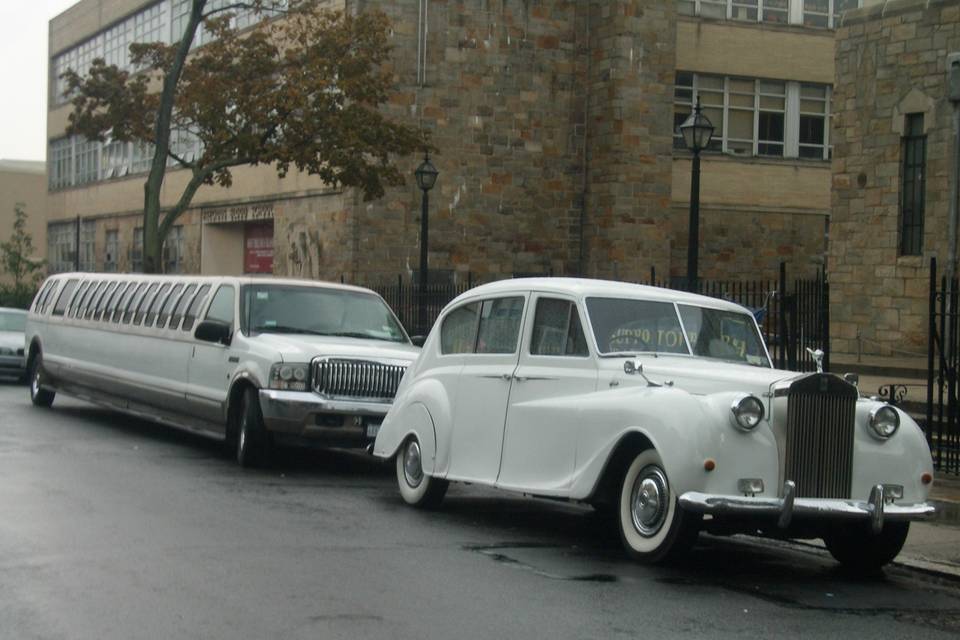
(373, 429)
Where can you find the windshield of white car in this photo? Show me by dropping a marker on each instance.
(627, 327)
(13, 321)
(270, 308)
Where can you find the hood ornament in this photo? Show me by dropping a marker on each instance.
(817, 358)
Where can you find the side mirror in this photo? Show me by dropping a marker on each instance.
(214, 331)
(418, 340)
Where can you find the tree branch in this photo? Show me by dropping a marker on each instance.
(200, 175)
(181, 161)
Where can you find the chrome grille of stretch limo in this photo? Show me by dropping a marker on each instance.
(821, 413)
(356, 379)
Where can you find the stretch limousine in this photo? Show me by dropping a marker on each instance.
(241, 359)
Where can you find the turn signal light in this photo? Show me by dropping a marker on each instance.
(709, 464)
(926, 477)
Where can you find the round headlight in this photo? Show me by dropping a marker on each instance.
(300, 374)
(747, 412)
(884, 421)
(286, 373)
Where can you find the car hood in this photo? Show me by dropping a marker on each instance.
(303, 348)
(701, 376)
(12, 339)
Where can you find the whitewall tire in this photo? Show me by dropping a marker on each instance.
(416, 487)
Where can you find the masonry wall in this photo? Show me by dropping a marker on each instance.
(890, 62)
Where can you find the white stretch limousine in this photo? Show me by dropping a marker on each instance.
(244, 359)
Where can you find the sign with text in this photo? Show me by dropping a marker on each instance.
(237, 213)
(258, 247)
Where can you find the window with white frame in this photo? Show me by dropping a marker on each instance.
(811, 13)
(173, 250)
(116, 44)
(61, 246)
(114, 159)
(152, 24)
(757, 117)
(60, 159)
(87, 161)
(142, 156)
(88, 245)
(136, 250)
(111, 245)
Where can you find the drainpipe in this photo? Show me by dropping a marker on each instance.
(953, 92)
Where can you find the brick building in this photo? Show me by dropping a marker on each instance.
(554, 123)
(891, 172)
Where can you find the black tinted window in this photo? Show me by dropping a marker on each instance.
(155, 305)
(195, 306)
(64, 297)
(500, 325)
(557, 330)
(168, 305)
(145, 303)
(81, 293)
(221, 307)
(104, 300)
(94, 299)
(459, 331)
(182, 306)
(134, 302)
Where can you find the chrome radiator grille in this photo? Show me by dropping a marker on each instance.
(364, 379)
(821, 411)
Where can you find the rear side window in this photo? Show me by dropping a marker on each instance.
(145, 303)
(155, 305)
(168, 305)
(94, 299)
(84, 286)
(182, 306)
(48, 296)
(500, 320)
(133, 302)
(118, 297)
(191, 316)
(104, 300)
(557, 330)
(221, 307)
(38, 301)
(64, 298)
(459, 331)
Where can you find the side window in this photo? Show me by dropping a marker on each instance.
(104, 300)
(145, 303)
(94, 299)
(155, 306)
(81, 292)
(221, 308)
(194, 310)
(182, 306)
(38, 300)
(121, 301)
(132, 303)
(47, 297)
(500, 325)
(111, 306)
(65, 293)
(557, 330)
(76, 309)
(459, 331)
(168, 305)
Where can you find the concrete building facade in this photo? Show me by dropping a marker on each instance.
(891, 172)
(554, 122)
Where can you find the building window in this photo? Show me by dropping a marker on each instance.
(62, 246)
(61, 163)
(111, 246)
(173, 250)
(912, 187)
(136, 251)
(812, 13)
(116, 44)
(757, 117)
(88, 245)
(87, 164)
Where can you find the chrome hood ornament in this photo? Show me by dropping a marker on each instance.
(817, 358)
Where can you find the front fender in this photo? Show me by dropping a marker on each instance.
(412, 419)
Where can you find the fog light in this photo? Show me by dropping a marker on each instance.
(893, 492)
(750, 486)
(709, 464)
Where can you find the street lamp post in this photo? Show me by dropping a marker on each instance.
(696, 131)
(426, 175)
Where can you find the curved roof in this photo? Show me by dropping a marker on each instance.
(587, 287)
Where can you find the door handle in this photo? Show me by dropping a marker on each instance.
(498, 376)
(525, 378)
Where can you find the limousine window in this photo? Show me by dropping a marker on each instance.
(47, 296)
(64, 297)
(144, 303)
(104, 300)
(499, 325)
(622, 325)
(75, 303)
(156, 304)
(221, 308)
(317, 311)
(557, 330)
(168, 305)
(459, 331)
(94, 299)
(181, 306)
(38, 301)
(119, 296)
(134, 303)
(194, 310)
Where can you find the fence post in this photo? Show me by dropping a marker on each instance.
(825, 316)
(931, 339)
(782, 318)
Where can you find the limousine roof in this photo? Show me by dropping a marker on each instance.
(241, 280)
(586, 287)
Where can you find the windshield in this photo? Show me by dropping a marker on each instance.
(270, 308)
(624, 326)
(13, 321)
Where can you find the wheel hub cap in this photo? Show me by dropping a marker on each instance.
(649, 500)
(412, 469)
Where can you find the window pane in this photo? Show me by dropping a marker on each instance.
(634, 326)
(459, 330)
(811, 129)
(557, 330)
(182, 305)
(65, 294)
(168, 305)
(195, 307)
(500, 325)
(221, 308)
(741, 124)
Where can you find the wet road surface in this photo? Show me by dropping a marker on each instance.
(112, 527)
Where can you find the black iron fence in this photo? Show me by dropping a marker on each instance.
(793, 314)
(943, 358)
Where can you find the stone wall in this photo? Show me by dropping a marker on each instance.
(891, 61)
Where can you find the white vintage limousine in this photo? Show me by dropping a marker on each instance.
(247, 360)
(659, 406)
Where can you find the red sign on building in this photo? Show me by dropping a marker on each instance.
(258, 247)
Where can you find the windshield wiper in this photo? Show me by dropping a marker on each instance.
(358, 334)
(279, 328)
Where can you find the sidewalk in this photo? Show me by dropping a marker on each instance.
(935, 545)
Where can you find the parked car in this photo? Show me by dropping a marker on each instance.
(659, 406)
(242, 359)
(12, 361)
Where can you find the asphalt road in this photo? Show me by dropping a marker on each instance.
(112, 527)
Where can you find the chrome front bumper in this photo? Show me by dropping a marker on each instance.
(13, 364)
(876, 509)
(296, 413)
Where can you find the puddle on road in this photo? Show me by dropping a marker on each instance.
(522, 555)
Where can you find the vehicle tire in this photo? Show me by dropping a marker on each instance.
(39, 396)
(417, 488)
(652, 525)
(857, 548)
(252, 440)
